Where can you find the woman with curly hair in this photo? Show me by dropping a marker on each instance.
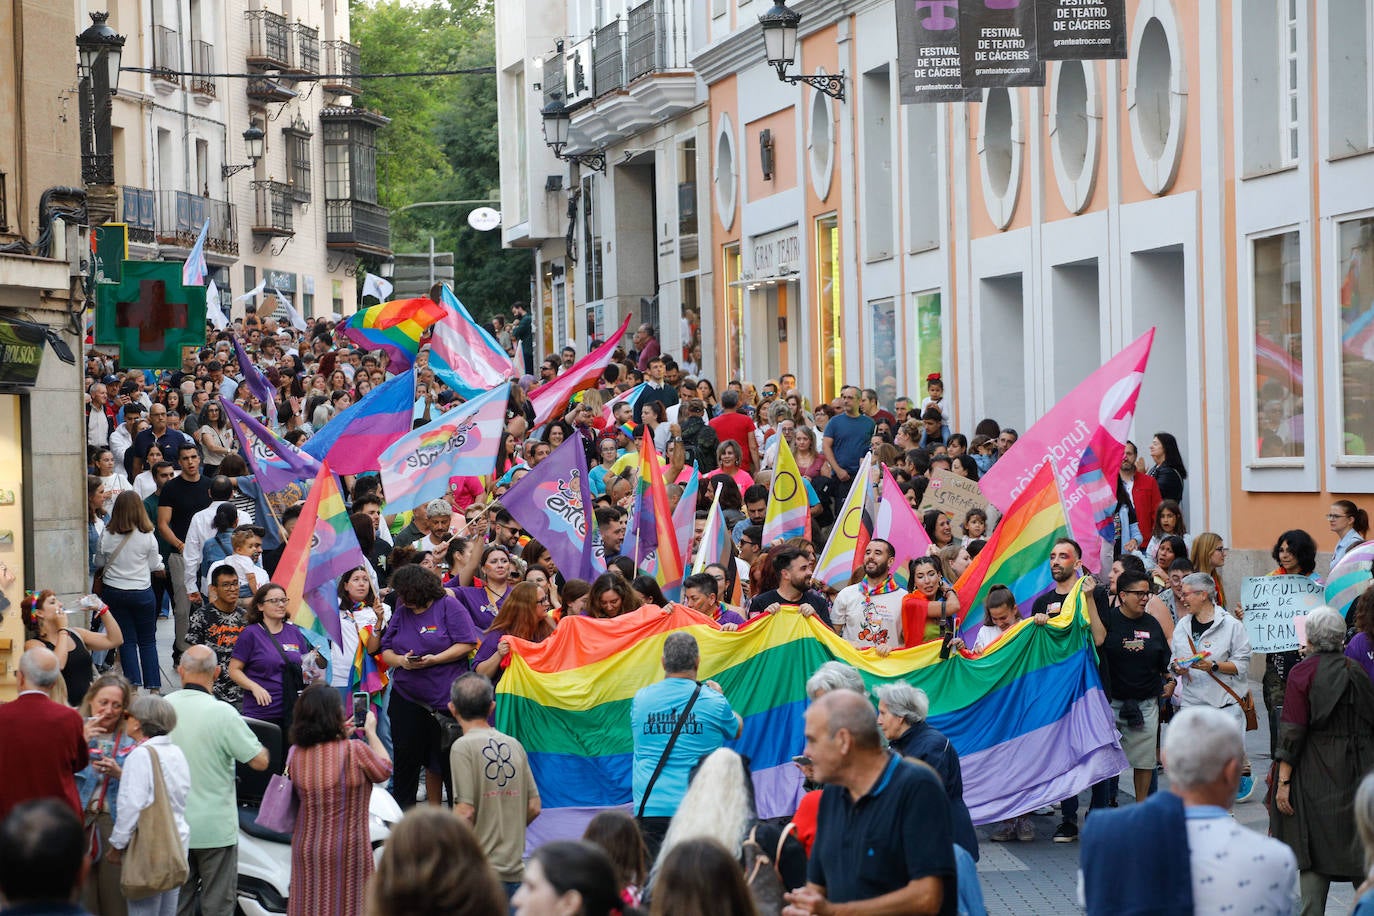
(611, 596)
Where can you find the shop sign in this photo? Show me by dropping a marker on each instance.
(778, 252)
(21, 352)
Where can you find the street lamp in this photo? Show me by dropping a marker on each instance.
(780, 26)
(98, 45)
(388, 267)
(253, 140)
(99, 49)
(557, 126)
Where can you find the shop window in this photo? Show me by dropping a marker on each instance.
(1156, 94)
(733, 297)
(726, 178)
(830, 306)
(930, 335)
(1350, 79)
(1278, 348)
(882, 337)
(1074, 119)
(999, 154)
(1356, 285)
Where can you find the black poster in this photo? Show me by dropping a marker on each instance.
(1081, 29)
(997, 45)
(928, 52)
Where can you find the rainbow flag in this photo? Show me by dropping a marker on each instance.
(355, 439)
(1035, 695)
(835, 565)
(715, 539)
(1018, 553)
(394, 327)
(369, 674)
(551, 399)
(653, 520)
(462, 354)
(322, 548)
(789, 512)
(684, 524)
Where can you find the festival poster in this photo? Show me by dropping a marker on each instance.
(997, 44)
(928, 52)
(1081, 29)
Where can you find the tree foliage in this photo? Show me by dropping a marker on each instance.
(442, 142)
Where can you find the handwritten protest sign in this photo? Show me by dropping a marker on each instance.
(1271, 603)
(954, 496)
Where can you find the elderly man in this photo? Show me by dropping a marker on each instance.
(214, 737)
(44, 745)
(674, 723)
(883, 832)
(1223, 867)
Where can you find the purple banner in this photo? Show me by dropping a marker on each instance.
(997, 44)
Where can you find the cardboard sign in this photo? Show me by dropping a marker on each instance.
(954, 496)
(1273, 606)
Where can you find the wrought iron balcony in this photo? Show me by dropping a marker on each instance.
(265, 89)
(139, 212)
(608, 59)
(97, 168)
(343, 63)
(269, 40)
(357, 226)
(656, 38)
(307, 49)
(166, 54)
(272, 209)
(180, 216)
(202, 61)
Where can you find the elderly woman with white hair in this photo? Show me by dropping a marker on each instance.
(1326, 744)
(1219, 649)
(834, 676)
(902, 711)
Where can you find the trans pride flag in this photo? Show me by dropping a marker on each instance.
(463, 354)
(458, 443)
(715, 544)
(354, 440)
(1034, 696)
(394, 327)
(275, 464)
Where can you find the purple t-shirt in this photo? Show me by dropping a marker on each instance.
(1361, 649)
(728, 616)
(491, 639)
(263, 665)
(443, 624)
(479, 604)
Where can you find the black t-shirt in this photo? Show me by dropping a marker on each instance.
(1049, 603)
(1198, 627)
(814, 599)
(185, 499)
(897, 833)
(1137, 654)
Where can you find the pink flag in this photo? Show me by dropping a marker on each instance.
(550, 400)
(1104, 400)
(898, 525)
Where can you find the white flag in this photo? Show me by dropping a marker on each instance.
(297, 321)
(212, 309)
(253, 294)
(377, 287)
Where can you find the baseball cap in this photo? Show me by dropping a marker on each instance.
(438, 507)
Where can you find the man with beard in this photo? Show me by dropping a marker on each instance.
(869, 613)
(794, 575)
(1066, 563)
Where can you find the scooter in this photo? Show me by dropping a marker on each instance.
(264, 879)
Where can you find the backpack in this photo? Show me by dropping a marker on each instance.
(700, 441)
(762, 873)
(215, 550)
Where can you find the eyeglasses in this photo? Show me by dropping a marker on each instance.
(231, 584)
(1332, 515)
(281, 599)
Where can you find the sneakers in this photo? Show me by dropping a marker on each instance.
(1046, 811)
(1066, 832)
(1247, 788)
(1025, 830)
(1005, 833)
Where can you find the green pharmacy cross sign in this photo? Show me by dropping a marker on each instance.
(150, 315)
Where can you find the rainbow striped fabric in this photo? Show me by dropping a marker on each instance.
(1018, 553)
(1033, 696)
(395, 328)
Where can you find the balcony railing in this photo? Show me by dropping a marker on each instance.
(343, 63)
(269, 39)
(97, 168)
(656, 38)
(356, 225)
(166, 54)
(202, 61)
(272, 208)
(608, 59)
(555, 77)
(181, 214)
(139, 213)
(307, 49)
(4, 206)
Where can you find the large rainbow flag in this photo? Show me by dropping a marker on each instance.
(394, 327)
(1034, 696)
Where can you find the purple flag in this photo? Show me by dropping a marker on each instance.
(553, 504)
(274, 463)
(252, 376)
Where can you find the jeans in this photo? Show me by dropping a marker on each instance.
(1099, 800)
(135, 612)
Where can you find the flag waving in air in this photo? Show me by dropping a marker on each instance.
(252, 376)
(458, 443)
(354, 440)
(553, 503)
(394, 327)
(551, 399)
(835, 565)
(684, 525)
(789, 511)
(463, 354)
(653, 520)
(273, 463)
(715, 539)
(194, 270)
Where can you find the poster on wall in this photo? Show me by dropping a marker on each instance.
(997, 44)
(928, 53)
(1081, 29)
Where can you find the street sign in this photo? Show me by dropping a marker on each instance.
(484, 219)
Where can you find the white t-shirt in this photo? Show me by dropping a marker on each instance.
(987, 635)
(868, 621)
(1235, 869)
(341, 657)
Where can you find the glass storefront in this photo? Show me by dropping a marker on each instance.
(1277, 296)
(1356, 284)
(930, 337)
(829, 307)
(733, 297)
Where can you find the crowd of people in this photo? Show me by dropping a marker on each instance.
(179, 527)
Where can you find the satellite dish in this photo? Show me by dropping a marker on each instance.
(484, 219)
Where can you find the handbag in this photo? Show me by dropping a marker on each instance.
(668, 749)
(1247, 702)
(155, 860)
(292, 683)
(98, 583)
(449, 731)
(279, 806)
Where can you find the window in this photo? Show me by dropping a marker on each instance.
(725, 177)
(350, 160)
(1288, 54)
(930, 335)
(733, 296)
(298, 162)
(691, 322)
(1277, 296)
(877, 164)
(999, 153)
(687, 225)
(1355, 253)
(1264, 74)
(882, 337)
(250, 277)
(1156, 94)
(338, 176)
(1350, 48)
(591, 241)
(308, 305)
(830, 303)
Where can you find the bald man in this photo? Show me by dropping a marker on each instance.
(44, 763)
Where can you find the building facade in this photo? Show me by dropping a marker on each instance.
(625, 240)
(304, 217)
(42, 434)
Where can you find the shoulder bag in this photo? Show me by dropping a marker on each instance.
(763, 876)
(292, 683)
(1247, 702)
(155, 861)
(672, 739)
(98, 583)
(279, 805)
